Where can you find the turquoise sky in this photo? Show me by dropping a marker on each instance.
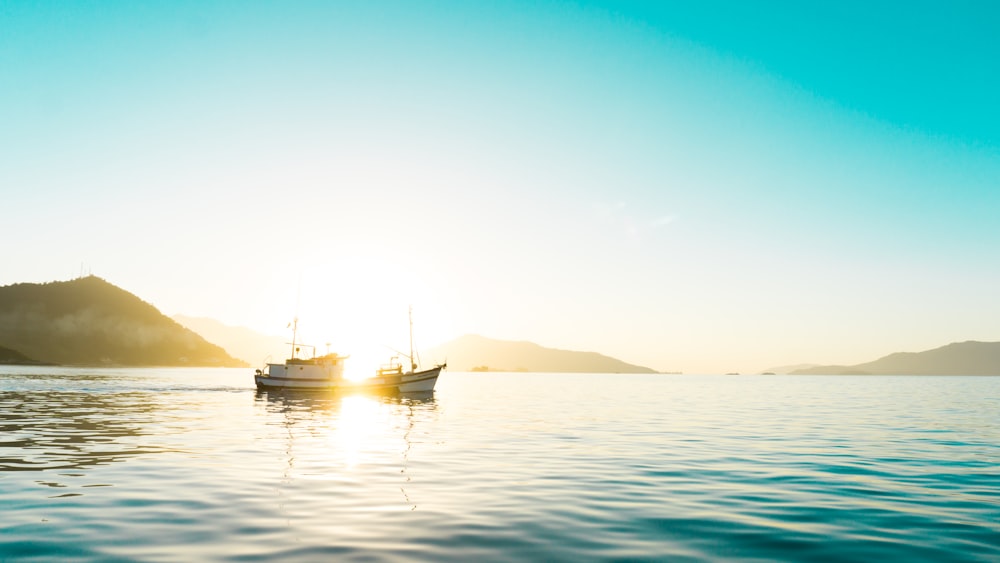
(696, 186)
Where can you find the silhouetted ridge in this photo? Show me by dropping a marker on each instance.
(239, 342)
(478, 353)
(960, 358)
(13, 357)
(88, 321)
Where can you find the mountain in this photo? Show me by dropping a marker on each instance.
(88, 321)
(478, 353)
(960, 358)
(239, 342)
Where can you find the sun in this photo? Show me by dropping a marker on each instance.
(357, 305)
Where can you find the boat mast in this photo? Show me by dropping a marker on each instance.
(295, 322)
(413, 362)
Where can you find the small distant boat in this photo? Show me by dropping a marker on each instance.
(326, 373)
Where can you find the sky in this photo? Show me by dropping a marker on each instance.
(690, 186)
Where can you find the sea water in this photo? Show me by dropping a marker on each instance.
(195, 464)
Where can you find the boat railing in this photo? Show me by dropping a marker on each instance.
(392, 368)
(298, 348)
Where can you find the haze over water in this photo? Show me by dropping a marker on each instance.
(175, 464)
(788, 182)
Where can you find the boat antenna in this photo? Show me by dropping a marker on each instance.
(413, 363)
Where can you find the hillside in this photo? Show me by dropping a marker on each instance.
(239, 342)
(14, 358)
(472, 352)
(960, 358)
(88, 321)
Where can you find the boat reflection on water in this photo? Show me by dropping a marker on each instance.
(335, 437)
(283, 400)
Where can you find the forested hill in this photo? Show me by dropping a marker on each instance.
(88, 321)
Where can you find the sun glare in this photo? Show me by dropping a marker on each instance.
(358, 371)
(357, 305)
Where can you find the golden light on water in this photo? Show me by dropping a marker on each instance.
(358, 425)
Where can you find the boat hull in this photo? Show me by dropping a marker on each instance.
(414, 382)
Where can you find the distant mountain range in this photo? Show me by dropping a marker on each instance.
(239, 342)
(88, 321)
(960, 358)
(478, 353)
(467, 353)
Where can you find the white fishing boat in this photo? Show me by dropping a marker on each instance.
(326, 373)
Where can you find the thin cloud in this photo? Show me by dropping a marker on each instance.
(632, 225)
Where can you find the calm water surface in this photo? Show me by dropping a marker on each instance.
(180, 465)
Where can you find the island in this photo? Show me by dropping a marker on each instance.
(90, 322)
